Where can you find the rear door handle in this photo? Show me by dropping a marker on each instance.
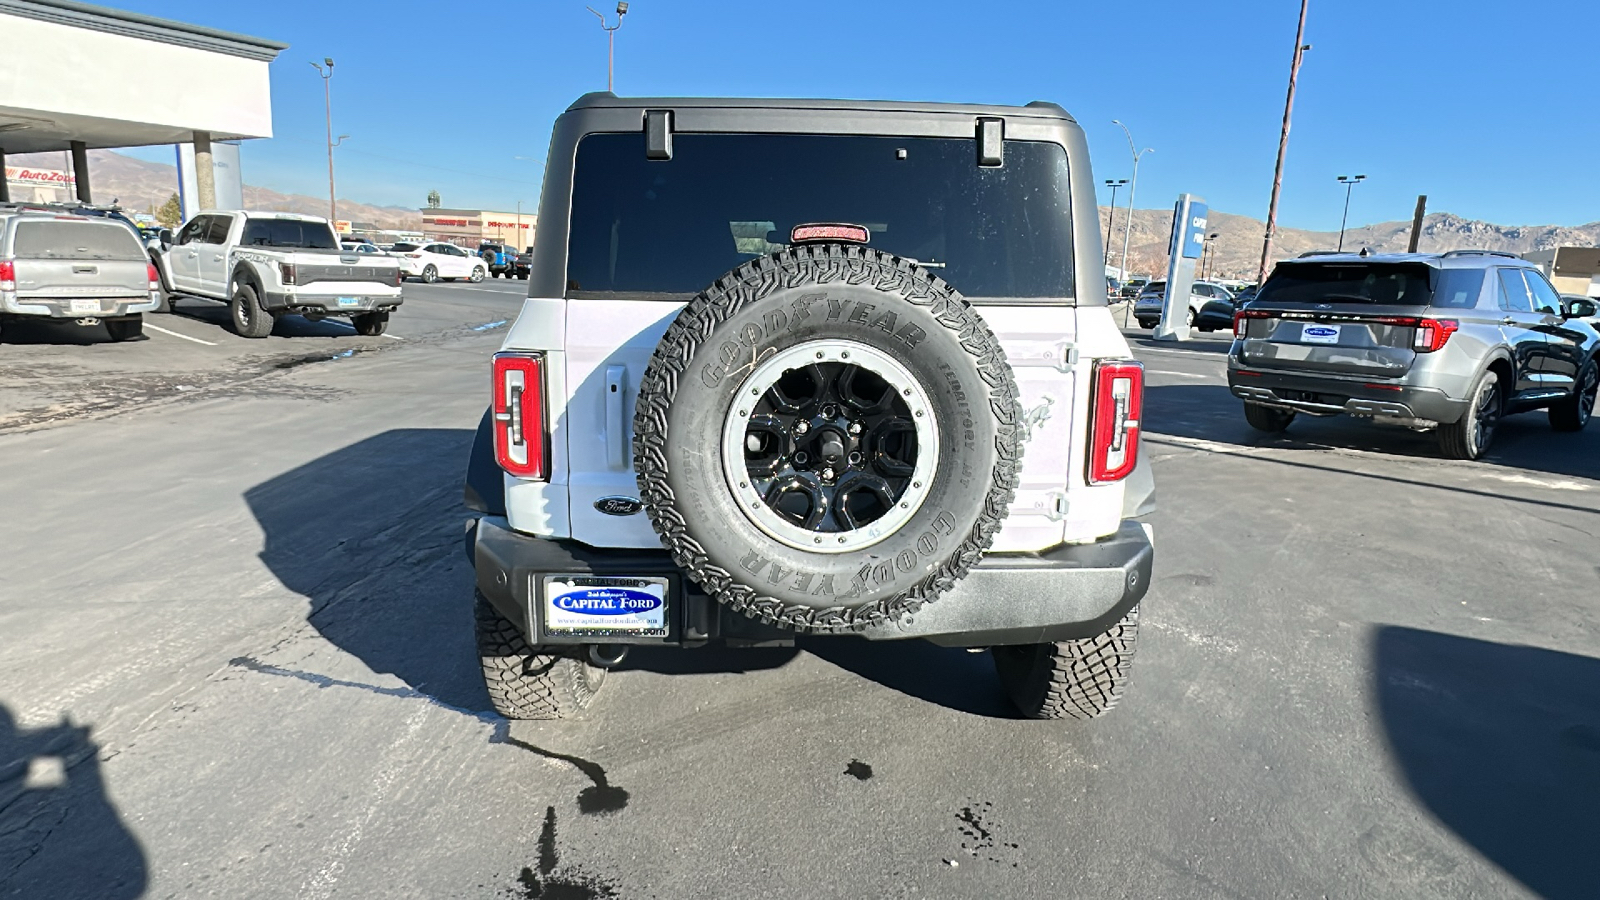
(1508, 320)
(616, 422)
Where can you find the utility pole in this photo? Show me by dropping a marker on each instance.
(1349, 185)
(1416, 222)
(611, 39)
(1300, 47)
(327, 99)
(1127, 230)
(1111, 217)
(1210, 256)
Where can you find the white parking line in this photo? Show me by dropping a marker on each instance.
(177, 335)
(393, 337)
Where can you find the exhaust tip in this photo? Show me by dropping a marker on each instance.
(607, 656)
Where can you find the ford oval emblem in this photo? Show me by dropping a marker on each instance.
(607, 602)
(619, 506)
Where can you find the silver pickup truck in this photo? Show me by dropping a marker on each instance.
(62, 267)
(267, 264)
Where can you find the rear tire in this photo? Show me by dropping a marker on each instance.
(125, 329)
(477, 274)
(1268, 418)
(430, 274)
(1076, 679)
(1573, 413)
(371, 324)
(1147, 324)
(527, 682)
(1469, 436)
(246, 315)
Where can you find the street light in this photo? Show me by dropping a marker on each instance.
(327, 100)
(1111, 216)
(1300, 48)
(1349, 185)
(1127, 229)
(611, 38)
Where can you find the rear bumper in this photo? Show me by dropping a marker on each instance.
(1319, 395)
(1070, 591)
(61, 307)
(328, 304)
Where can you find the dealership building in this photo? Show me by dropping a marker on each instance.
(471, 227)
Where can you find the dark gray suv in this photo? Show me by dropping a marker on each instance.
(1448, 341)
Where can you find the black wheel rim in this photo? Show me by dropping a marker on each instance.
(830, 449)
(1485, 416)
(1588, 392)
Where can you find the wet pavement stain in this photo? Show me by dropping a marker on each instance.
(546, 884)
(858, 770)
(978, 833)
(601, 799)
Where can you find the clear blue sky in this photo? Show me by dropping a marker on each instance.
(1486, 107)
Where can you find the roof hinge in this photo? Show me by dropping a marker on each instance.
(991, 140)
(658, 134)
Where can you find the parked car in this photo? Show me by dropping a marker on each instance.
(268, 264)
(1216, 315)
(523, 264)
(501, 258)
(858, 472)
(438, 261)
(362, 247)
(1133, 286)
(88, 270)
(1147, 306)
(1449, 342)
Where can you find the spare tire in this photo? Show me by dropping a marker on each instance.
(827, 438)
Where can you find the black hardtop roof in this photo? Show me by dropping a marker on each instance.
(1451, 259)
(1039, 109)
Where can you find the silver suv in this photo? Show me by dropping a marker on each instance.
(1448, 341)
(71, 268)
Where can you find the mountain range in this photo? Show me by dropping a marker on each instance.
(143, 186)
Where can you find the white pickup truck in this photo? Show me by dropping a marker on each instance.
(267, 264)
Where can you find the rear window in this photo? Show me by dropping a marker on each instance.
(403, 248)
(1381, 284)
(288, 233)
(673, 226)
(57, 239)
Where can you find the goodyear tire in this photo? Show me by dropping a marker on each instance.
(527, 682)
(827, 438)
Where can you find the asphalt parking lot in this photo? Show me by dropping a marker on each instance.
(235, 643)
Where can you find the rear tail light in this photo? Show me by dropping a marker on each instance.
(155, 277)
(1114, 412)
(1433, 333)
(413, 256)
(399, 277)
(8, 275)
(286, 270)
(1240, 316)
(520, 445)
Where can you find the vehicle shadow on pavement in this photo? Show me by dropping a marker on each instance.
(1501, 743)
(216, 314)
(60, 835)
(1210, 412)
(371, 535)
(707, 660)
(65, 334)
(946, 676)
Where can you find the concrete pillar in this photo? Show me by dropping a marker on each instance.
(205, 177)
(80, 170)
(5, 189)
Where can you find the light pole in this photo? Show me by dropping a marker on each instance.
(1210, 255)
(1349, 185)
(327, 100)
(611, 38)
(1111, 217)
(1133, 185)
(1300, 48)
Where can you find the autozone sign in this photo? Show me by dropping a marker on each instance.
(39, 177)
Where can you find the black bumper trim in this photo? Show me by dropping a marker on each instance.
(1071, 591)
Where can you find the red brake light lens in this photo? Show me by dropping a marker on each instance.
(1432, 334)
(155, 277)
(520, 446)
(855, 234)
(8, 275)
(286, 270)
(1116, 407)
(1239, 317)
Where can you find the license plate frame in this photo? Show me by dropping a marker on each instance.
(583, 605)
(349, 302)
(1318, 333)
(83, 306)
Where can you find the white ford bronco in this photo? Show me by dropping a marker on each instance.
(812, 367)
(267, 264)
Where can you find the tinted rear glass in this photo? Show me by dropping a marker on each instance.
(403, 248)
(1382, 284)
(674, 226)
(56, 239)
(288, 233)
